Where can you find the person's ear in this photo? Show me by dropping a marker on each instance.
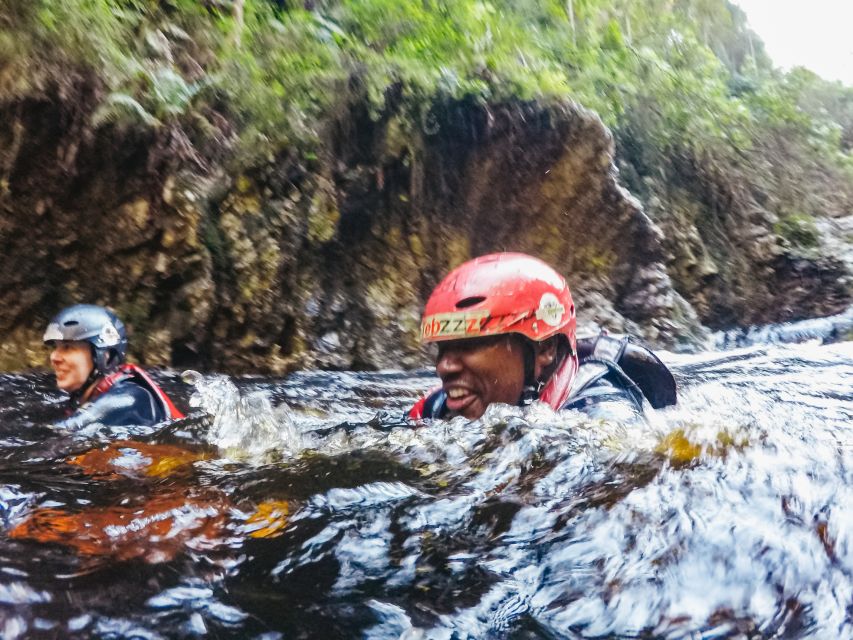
(546, 354)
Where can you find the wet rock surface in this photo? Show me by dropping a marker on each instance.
(325, 260)
(758, 238)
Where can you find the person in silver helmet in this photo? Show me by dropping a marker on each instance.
(88, 350)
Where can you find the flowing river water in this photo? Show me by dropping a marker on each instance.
(306, 507)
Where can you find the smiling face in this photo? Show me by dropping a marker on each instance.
(72, 363)
(479, 371)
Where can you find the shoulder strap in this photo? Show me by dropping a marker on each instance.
(142, 378)
(599, 371)
(607, 347)
(635, 361)
(106, 383)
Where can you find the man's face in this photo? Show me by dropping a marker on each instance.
(72, 363)
(479, 371)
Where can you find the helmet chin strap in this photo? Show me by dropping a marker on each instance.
(77, 396)
(532, 386)
(530, 394)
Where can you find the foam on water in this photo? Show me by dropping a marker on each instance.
(728, 516)
(245, 424)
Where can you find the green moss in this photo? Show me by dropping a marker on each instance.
(23, 349)
(323, 218)
(799, 230)
(593, 260)
(256, 269)
(416, 246)
(212, 239)
(397, 138)
(457, 250)
(243, 184)
(135, 313)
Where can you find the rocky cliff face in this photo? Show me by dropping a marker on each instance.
(764, 238)
(326, 260)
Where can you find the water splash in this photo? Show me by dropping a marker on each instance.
(820, 330)
(728, 517)
(244, 424)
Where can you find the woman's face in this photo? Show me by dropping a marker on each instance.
(72, 363)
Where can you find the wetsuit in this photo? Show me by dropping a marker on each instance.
(126, 397)
(613, 371)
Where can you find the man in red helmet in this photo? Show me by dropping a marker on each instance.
(504, 326)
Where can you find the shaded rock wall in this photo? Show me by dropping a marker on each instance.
(753, 240)
(83, 218)
(322, 261)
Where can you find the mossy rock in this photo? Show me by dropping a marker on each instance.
(323, 218)
(799, 230)
(23, 349)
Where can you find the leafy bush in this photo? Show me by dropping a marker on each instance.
(679, 74)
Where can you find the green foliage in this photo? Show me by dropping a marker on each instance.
(679, 75)
(122, 108)
(799, 230)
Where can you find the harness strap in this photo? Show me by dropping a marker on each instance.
(532, 387)
(635, 361)
(126, 371)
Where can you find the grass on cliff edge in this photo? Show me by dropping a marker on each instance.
(687, 74)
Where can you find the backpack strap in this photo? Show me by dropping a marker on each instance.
(600, 378)
(171, 411)
(638, 363)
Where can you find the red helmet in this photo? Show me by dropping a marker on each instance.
(506, 293)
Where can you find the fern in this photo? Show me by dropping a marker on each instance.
(122, 109)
